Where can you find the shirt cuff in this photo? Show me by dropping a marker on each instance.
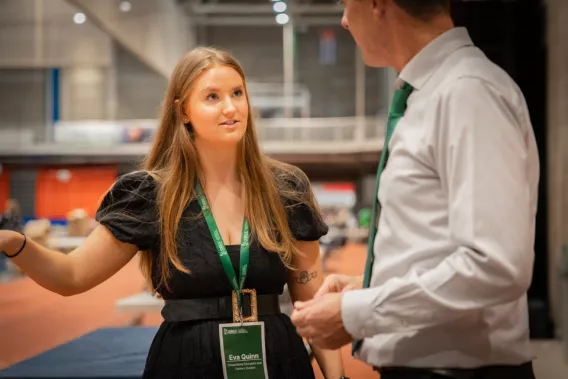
(357, 308)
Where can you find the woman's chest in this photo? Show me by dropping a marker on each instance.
(198, 253)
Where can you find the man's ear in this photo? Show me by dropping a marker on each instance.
(379, 7)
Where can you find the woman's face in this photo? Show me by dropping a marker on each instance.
(217, 107)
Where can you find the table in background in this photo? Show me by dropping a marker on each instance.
(138, 305)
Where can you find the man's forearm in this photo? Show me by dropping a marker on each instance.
(434, 297)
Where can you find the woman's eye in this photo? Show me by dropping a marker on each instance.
(212, 96)
(238, 92)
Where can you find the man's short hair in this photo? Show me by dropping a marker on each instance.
(424, 9)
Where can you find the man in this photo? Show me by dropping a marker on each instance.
(451, 262)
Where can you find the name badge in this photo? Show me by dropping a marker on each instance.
(243, 350)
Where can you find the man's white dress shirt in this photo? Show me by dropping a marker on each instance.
(454, 248)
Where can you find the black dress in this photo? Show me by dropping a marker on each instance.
(191, 349)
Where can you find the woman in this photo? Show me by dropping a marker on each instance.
(204, 184)
(11, 219)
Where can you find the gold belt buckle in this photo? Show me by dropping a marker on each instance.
(237, 315)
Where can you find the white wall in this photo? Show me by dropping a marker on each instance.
(84, 93)
(41, 33)
(35, 36)
(158, 32)
(101, 77)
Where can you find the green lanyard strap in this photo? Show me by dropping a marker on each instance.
(222, 249)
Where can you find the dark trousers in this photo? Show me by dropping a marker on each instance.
(524, 371)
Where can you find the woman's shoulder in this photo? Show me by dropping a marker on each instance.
(133, 190)
(129, 211)
(289, 177)
(303, 213)
(137, 180)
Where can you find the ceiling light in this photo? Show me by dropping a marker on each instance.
(125, 6)
(79, 18)
(282, 18)
(279, 7)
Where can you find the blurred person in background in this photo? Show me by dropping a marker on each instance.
(211, 217)
(444, 291)
(364, 223)
(10, 219)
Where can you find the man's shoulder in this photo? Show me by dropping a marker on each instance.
(471, 66)
(471, 85)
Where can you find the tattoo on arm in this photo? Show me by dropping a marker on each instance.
(305, 277)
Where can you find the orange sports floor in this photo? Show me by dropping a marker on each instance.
(33, 320)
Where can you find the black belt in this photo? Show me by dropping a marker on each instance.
(216, 308)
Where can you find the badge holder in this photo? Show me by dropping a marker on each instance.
(242, 343)
(238, 313)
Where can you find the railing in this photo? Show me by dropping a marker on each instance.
(270, 98)
(133, 137)
(321, 135)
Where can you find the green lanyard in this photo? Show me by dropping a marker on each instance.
(222, 250)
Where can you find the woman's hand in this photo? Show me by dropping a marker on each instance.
(339, 283)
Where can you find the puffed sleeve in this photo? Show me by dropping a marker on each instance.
(129, 210)
(305, 222)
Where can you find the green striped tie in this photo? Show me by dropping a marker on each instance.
(396, 111)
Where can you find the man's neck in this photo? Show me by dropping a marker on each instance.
(414, 35)
(219, 164)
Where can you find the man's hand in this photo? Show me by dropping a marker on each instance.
(339, 283)
(319, 321)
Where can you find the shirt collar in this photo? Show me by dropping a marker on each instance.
(424, 64)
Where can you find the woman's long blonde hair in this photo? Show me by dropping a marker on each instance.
(174, 162)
